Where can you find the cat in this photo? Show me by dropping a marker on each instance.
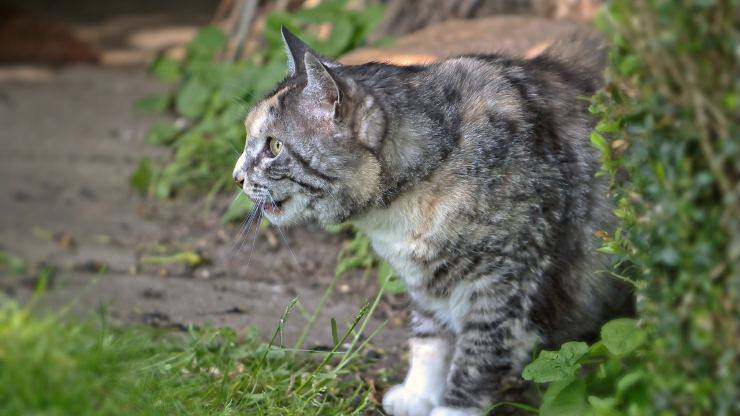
(474, 178)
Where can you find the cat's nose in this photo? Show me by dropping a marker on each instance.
(239, 174)
(239, 178)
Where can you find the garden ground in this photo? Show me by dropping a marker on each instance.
(70, 143)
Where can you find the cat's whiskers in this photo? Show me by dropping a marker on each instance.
(252, 216)
(282, 235)
(256, 233)
(246, 224)
(236, 150)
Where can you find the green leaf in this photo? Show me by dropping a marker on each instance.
(268, 76)
(155, 103)
(388, 279)
(190, 258)
(141, 179)
(206, 44)
(166, 69)
(368, 19)
(599, 142)
(629, 65)
(163, 188)
(607, 249)
(556, 365)
(567, 398)
(629, 380)
(622, 336)
(607, 126)
(192, 99)
(334, 336)
(603, 407)
(162, 133)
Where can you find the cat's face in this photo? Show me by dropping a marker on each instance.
(310, 153)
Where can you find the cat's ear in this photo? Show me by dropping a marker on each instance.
(326, 87)
(296, 49)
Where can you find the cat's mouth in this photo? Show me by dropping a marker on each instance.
(275, 208)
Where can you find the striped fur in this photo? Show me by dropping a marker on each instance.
(474, 178)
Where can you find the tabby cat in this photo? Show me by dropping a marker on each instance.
(474, 178)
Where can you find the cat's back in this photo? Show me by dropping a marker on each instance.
(518, 91)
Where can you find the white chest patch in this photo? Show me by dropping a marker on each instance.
(408, 235)
(450, 311)
(400, 251)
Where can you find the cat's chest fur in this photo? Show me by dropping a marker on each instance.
(410, 235)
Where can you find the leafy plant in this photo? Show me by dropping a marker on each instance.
(668, 139)
(673, 92)
(591, 380)
(212, 96)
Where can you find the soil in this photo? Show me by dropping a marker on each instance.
(68, 145)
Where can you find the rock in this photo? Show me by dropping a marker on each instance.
(402, 16)
(512, 35)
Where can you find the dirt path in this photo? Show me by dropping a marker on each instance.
(67, 148)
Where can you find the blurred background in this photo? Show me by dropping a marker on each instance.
(121, 122)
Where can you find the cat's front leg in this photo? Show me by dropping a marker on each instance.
(489, 353)
(424, 386)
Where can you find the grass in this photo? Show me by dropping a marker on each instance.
(53, 365)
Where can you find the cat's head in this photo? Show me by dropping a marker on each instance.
(312, 146)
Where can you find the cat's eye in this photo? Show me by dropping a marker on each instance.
(275, 145)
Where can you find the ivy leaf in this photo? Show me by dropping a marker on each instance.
(622, 336)
(559, 365)
(565, 398)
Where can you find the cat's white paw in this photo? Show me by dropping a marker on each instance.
(449, 411)
(401, 401)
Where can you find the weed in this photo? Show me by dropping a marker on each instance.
(57, 366)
